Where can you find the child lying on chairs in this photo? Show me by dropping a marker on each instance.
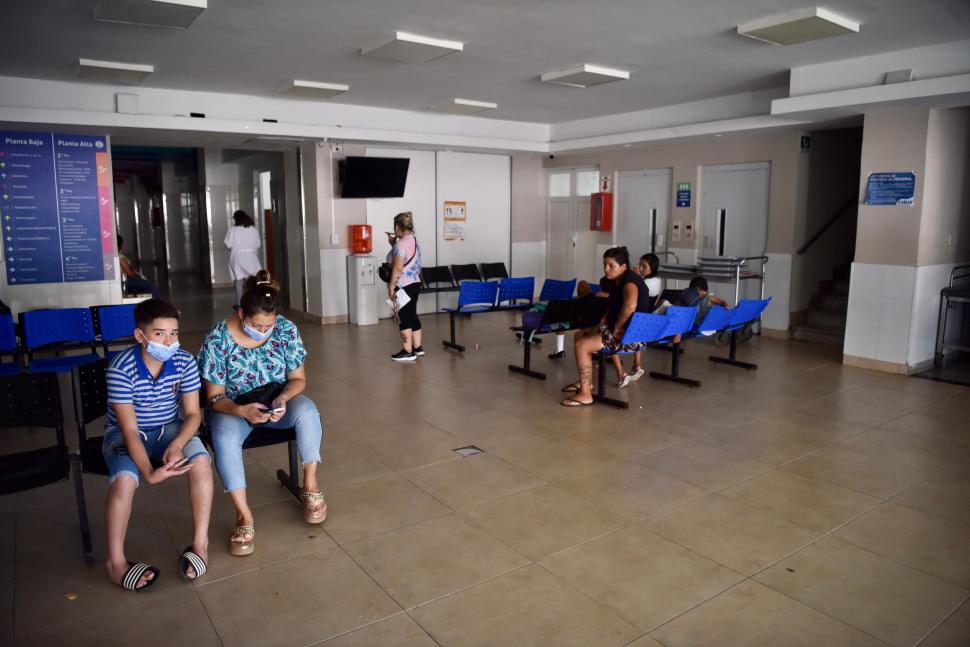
(697, 294)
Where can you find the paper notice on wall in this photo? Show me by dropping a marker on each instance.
(455, 220)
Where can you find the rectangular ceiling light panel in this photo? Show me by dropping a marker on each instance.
(464, 106)
(798, 26)
(585, 75)
(316, 89)
(112, 72)
(175, 14)
(411, 48)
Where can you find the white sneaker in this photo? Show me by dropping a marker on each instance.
(626, 381)
(637, 374)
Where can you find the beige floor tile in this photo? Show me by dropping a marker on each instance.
(398, 630)
(559, 459)
(526, 608)
(307, 600)
(434, 558)
(182, 621)
(754, 615)
(737, 535)
(470, 481)
(633, 490)
(808, 502)
(955, 408)
(948, 432)
(888, 600)
(915, 539)
(933, 451)
(348, 464)
(638, 438)
(40, 588)
(408, 448)
(644, 641)
(543, 520)
(866, 412)
(879, 393)
(763, 441)
(945, 495)
(643, 577)
(370, 507)
(953, 632)
(704, 466)
(854, 468)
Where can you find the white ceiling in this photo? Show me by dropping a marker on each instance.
(677, 51)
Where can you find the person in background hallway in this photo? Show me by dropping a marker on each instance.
(135, 281)
(406, 276)
(242, 241)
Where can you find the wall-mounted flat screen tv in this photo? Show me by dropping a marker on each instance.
(373, 177)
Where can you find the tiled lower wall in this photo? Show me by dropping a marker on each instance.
(892, 314)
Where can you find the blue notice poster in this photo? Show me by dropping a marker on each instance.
(51, 207)
(895, 188)
(683, 194)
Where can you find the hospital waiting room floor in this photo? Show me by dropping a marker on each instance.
(804, 503)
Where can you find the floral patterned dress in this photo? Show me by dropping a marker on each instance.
(224, 362)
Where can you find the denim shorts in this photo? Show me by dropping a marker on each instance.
(156, 441)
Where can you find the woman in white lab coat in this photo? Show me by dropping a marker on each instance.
(242, 241)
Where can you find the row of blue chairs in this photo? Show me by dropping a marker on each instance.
(59, 330)
(672, 329)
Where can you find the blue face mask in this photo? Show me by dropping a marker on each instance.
(161, 352)
(257, 335)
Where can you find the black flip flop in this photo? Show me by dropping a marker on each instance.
(570, 388)
(191, 558)
(576, 403)
(134, 574)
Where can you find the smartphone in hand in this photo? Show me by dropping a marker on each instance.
(272, 411)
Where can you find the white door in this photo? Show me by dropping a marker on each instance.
(734, 209)
(561, 237)
(643, 211)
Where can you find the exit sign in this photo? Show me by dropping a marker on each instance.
(683, 194)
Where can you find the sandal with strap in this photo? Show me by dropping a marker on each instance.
(191, 558)
(309, 500)
(135, 573)
(246, 546)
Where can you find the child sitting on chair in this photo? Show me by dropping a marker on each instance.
(147, 385)
(647, 269)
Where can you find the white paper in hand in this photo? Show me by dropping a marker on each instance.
(402, 299)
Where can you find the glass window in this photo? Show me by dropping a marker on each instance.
(559, 185)
(587, 182)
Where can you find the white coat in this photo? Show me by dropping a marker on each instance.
(243, 243)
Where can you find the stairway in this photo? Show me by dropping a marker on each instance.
(825, 322)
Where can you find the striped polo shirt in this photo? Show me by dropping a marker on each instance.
(156, 401)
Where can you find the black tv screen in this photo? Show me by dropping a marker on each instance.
(373, 177)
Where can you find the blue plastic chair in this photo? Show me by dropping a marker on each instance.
(511, 291)
(680, 321)
(643, 328)
(116, 324)
(473, 297)
(58, 330)
(746, 312)
(717, 319)
(8, 344)
(556, 290)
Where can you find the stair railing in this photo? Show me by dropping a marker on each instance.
(831, 221)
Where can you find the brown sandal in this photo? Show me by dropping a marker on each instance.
(244, 547)
(310, 499)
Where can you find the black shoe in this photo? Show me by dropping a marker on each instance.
(558, 355)
(403, 356)
(419, 351)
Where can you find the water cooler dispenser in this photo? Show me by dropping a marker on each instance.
(364, 288)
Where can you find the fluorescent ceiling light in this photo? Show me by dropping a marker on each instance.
(176, 14)
(273, 138)
(111, 72)
(585, 75)
(315, 89)
(799, 26)
(463, 106)
(411, 48)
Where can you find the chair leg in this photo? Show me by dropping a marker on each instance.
(731, 359)
(82, 507)
(453, 343)
(598, 394)
(291, 481)
(526, 368)
(674, 375)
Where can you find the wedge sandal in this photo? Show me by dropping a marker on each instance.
(244, 547)
(310, 499)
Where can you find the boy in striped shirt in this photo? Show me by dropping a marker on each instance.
(147, 383)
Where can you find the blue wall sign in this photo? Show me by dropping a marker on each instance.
(897, 188)
(55, 205)
(683, 194)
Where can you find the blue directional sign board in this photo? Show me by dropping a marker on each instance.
(55, 208)
(896, 188)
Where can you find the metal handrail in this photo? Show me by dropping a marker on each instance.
(831, 221)
(955, 273)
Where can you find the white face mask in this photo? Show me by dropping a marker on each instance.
(161, 352)
(257, 335)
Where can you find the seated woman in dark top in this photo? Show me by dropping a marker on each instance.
(628, 294)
